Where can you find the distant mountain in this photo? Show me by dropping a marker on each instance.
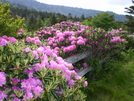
(33, 4)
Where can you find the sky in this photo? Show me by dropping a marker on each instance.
(116, 6)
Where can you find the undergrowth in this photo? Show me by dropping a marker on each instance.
(116, 85)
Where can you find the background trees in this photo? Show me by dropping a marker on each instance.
(130, 17)
(102, 20)
(8, 24)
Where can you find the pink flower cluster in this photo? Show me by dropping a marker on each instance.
(69, 37)
(5, 39)
(117, 39)
(2, 79)
(32, 87)
(69, 48)
(57, 63)
(35, 40)
(3, 95)
(20, 31)
(73, 37)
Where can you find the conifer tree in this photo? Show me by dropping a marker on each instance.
(130, 17)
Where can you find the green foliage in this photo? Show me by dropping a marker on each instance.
(130, 21)
(87, 21)
(130, 42)
(103, 20)
(9, 25)
(117, 84)
(53, 19)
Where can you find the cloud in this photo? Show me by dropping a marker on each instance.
(119, 2)
(116, 6)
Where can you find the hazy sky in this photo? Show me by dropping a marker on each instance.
(116, 6)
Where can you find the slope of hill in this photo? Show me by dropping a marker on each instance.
(33, 4)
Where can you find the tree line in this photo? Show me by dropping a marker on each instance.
(36, 19)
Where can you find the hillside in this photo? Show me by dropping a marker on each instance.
(33, 4)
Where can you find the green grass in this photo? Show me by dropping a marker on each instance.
(118, 85)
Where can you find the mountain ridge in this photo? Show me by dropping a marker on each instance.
(75, 11)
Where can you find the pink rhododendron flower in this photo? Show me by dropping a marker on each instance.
(35, 54)
(54, 44)
(85, 64)
(115, 39)
(28, 39)
(33, 39)
(122, 40)
(38, 90)
(61, 38)
(20, 31)
(36, 38)
(28, 96)
(130, 35)
(67, 33)
(16, 99)
(73, 42)
(29, 86)
(85, 83)
(2, 79)
(15, 88)
(75, 69)
(80, 38)
(120, 29)
(65, 49)
(3, 42)
(12, 39)
(72, 38)
(117, 31)
(3, 95)
(71, 83)
(53, 64)
(40, 50)
(28, 49)
(71, 47)
(77, 77)
(38, 42)
(50, 43)
(57, 48)
(15, 81)
(81, 42)
(5, 37)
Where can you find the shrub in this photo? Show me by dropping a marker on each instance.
(8, 24)
(30, 71)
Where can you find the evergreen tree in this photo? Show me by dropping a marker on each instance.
(53, 19)
(82, 17)
(130, 22)
(32, 24)
(69, 17)
(47, 22)
(40, 23)
(103, 20)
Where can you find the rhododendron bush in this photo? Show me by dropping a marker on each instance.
(75, 42)
(30, 71)
(50, 64)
